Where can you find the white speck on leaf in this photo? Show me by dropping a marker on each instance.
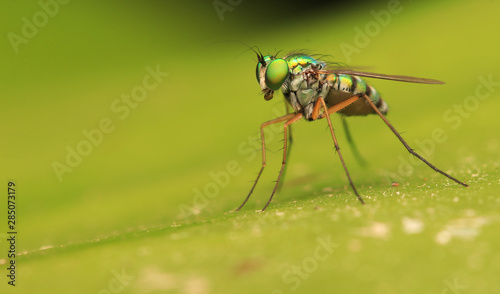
(461, 228)
(376, 230)
(412, 225)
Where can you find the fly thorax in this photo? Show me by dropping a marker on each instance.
(307, 112)
(291, 97)
(305, 93)
(296, 82)
(324, 90)
(306, 97)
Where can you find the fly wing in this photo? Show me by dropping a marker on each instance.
(382, 76)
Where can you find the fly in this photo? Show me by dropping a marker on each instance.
(315, 92)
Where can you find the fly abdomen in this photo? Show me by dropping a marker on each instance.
(346, 83)
(343, 86)
(376, 99)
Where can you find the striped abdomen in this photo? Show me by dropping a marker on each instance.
(344, 86)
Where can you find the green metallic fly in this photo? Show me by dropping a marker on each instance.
(315, 92)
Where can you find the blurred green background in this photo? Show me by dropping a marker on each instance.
(146, 205)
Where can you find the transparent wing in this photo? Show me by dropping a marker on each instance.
(382, 76)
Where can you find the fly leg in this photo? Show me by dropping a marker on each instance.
(337, 107)
(290, 141)
(326, 113)
(407, 146)
(274, 121)
(291, 119)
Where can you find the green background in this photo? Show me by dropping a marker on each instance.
(128, 219)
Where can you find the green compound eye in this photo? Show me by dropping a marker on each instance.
(276, 74)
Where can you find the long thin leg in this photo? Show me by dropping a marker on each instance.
(407, 146)
(274, 121)
(354, 149)
(295, 118)
(290, 141)
(337, 148)
(290, 136)
(339, 106)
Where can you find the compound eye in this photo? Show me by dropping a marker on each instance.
(276, 73)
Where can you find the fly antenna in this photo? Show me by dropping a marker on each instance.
(277, 53)
(260, 56)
